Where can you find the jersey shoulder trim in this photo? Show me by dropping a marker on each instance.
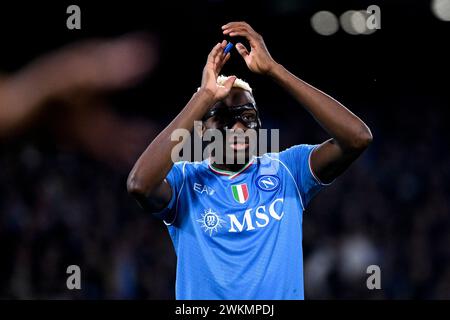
(183, 171)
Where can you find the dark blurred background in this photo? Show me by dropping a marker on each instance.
(63, 195)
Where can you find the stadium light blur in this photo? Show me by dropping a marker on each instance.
(441, 9)
(355, 22)
(325, 23)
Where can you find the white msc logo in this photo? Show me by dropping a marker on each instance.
(210, 221)
(261, 217)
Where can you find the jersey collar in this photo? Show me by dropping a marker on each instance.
(231, 174)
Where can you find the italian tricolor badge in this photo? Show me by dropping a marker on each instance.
(240, 192)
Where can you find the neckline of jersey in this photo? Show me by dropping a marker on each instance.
(231, 174)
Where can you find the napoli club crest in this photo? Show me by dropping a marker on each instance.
(268, 182)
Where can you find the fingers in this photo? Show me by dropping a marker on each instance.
(227, 57)
(220, 58)
(244, 33)
(232, 30)
(242, 50)
(217, 58)
(222, 62)
(244, 30)
(220, 55)
(242, 27)
(229, 83)
(237, 32)
(240, 24)
(214, 52)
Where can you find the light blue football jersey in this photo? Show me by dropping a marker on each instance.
(239, 235)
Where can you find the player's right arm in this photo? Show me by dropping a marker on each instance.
(147, 178)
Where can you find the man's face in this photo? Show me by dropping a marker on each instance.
(234, 123)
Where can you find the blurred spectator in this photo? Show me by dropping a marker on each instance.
(53, 194)
(62, 90)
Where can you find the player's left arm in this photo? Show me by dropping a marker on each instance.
(350, 135)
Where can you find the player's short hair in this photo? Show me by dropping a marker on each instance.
(238, 83)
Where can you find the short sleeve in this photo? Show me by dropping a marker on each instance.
(298, 161)
(175, 178)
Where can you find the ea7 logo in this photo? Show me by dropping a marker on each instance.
(259, 217)
(203, 189)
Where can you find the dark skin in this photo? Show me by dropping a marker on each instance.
(236, 97)
(147, 178)
(349, 135)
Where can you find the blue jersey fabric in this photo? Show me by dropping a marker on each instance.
(239, 236)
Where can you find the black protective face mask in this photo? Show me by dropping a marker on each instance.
(226, 116)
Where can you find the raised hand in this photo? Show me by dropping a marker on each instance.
(258, 59)
(216, 60)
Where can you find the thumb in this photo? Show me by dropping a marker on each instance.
(242, 50)
(229, 83)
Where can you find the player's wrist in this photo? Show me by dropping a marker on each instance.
(206, 96)
(274, 69)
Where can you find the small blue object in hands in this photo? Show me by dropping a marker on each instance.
(228, 48)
